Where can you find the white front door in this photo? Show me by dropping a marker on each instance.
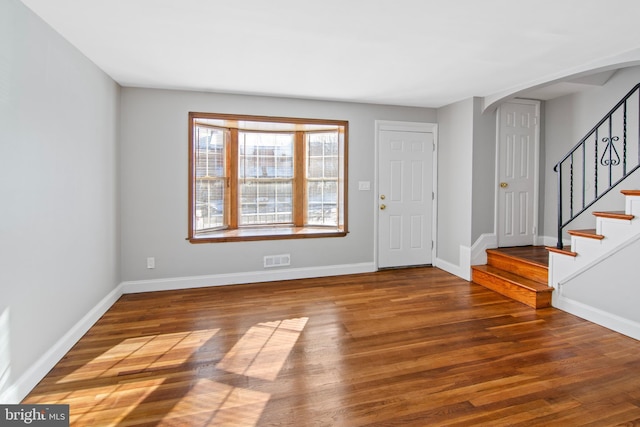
(517, 173)
(405, 185)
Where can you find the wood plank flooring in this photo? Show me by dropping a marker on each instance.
(412, 347)
(536, 254)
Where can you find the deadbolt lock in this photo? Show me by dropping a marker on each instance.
(503, 185)
(382, 197)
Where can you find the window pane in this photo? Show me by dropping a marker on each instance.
(266, 172)
(322, 175)
(266, 202)
(322, 203)
(209, 209)
(265, 155)
(209, 152)
(322, 159)
(210, 174)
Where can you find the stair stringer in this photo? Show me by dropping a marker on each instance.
(606, 291)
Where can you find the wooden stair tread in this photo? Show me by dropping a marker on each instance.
(514, 286)
(518, 280)
(565, 251)
(532, 262)
(631, 192)
(614, 215)
(523, 261)
(588, 233)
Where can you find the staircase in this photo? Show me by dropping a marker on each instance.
(515, 276)
(527, 280)
(613, 229)
(596, 278)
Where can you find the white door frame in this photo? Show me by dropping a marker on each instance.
(390, 125)
(536, 172)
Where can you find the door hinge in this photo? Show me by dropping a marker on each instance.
(433, 195)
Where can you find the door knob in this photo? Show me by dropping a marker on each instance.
(503, 185)
(383, 207)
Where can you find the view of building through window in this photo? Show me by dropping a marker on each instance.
(265, 177)
(322, 177)
(210, 177)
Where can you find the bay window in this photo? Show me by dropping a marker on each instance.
(257, 178)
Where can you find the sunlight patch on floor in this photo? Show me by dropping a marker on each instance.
(260, 354)
(143, 353)
(213, 403)
(263, 349)
(107, 407)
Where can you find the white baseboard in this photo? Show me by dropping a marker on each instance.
(239, 278)
(463, 270)
(551, 241)
(608, 320)
(27, 381)
(465, 262)
(451, 268)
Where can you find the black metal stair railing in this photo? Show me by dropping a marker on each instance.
(607, 155)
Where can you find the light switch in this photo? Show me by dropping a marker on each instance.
(364, 185)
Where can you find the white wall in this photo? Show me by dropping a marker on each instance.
(455, 160)
(58, 191)
(567, 120)
(466, 185)
(154, 185)
(484, 175)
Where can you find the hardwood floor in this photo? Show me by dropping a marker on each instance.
(394, 348)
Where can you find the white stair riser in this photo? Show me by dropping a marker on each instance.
(632, 205)
(615, 232)
(584, 244)
(615, 229)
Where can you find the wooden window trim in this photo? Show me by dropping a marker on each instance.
(232, 185)
(299, 172)
(267, 233)
(298, 230)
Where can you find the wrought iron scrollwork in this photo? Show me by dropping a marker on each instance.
(610, 160)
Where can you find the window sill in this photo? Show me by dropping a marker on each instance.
(266, 233)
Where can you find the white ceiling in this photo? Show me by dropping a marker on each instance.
(426, 53)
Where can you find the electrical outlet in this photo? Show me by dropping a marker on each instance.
(151, 262)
